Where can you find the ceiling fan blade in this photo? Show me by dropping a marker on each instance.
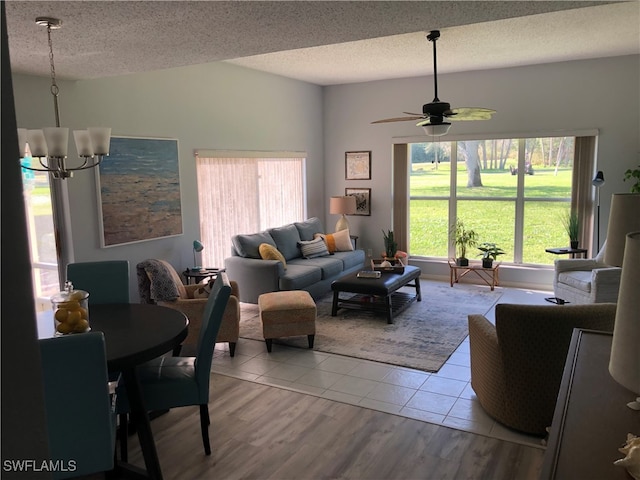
(412, 113)
(469, 113)
(399, 119)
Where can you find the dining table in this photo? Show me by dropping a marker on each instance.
(134, 334)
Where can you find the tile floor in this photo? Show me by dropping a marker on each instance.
(443, 398)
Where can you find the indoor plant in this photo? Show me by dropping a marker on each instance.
(633, 175)
(571, 223)
(463, 239)
(490, 252)
(390, 246)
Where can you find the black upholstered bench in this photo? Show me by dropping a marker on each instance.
(377, 294)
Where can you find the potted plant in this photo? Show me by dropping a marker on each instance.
(490, 252)
(571, 223)
(633, 175)
(463, 238)
(390, 247)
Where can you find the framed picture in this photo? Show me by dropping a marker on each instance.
(363, 199)
(138, 188)
(357, 165)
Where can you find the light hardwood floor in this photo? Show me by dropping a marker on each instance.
(263, 432)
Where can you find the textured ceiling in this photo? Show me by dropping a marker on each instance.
(323, 42)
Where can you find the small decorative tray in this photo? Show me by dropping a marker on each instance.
(397, 268)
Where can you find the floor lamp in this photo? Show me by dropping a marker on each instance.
(597, 182)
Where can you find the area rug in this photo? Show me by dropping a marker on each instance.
(423, 336)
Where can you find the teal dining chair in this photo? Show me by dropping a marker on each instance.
(81, 420)
(106, 281)
(168, 382)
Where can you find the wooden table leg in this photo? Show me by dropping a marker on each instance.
(141, 420)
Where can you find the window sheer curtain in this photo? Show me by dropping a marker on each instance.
(582, 191)
(245, 195)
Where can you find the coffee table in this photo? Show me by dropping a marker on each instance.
(377, 294)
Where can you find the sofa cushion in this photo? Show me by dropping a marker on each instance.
(248, 245)
(286, 238)
(313, 248)
(350, 259)
(328, 265)
(308, 228)
(338, 241)
(269, 252)
(298, 277)
(580, 279)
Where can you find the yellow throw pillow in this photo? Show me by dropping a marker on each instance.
(269, 252)
(337, 242)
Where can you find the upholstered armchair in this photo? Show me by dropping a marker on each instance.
(158, 282)
(517, 364)
(588, 280)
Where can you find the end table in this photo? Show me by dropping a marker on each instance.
(200, 274)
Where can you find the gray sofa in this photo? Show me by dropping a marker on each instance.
(256, 276)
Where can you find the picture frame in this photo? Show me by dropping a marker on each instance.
(138, 189)
(357, 165)
(363, 200)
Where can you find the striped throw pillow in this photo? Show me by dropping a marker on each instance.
(313, 248)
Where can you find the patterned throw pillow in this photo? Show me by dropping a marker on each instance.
(337, 242)
(313, 248)
(269, 252)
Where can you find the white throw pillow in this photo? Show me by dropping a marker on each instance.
(337, 242)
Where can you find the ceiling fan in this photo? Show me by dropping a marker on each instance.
(434, 113)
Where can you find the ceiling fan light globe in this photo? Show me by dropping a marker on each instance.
(436, 130)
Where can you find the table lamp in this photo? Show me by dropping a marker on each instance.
(342, 205)
(624, 363)
(623, 219)
(197, 247)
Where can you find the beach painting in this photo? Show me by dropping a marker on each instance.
(138, 187)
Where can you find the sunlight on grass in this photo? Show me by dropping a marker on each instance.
(495, 221)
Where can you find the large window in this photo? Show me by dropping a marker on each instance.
(512, 192)
(246, 192)
(42, 244)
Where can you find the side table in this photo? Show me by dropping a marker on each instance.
(490, 276)
(200, 274)
(568, 251)
(591, 419)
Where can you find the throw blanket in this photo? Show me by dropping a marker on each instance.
(156, 281)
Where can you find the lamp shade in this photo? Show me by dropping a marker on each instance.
(623, 218)
(197, 246)
(345, 205)
(624, 363)
(598, 180)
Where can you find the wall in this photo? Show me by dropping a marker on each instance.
(598, 94)
(214, 106)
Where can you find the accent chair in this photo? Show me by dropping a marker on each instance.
(586, 280)
(158, 282)
(517, 364)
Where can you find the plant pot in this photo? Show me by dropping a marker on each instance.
(462, 262)
(487, 262)
(574, 244)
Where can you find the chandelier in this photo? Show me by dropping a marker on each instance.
(50, 144)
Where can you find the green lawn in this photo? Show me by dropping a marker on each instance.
(490, 210)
